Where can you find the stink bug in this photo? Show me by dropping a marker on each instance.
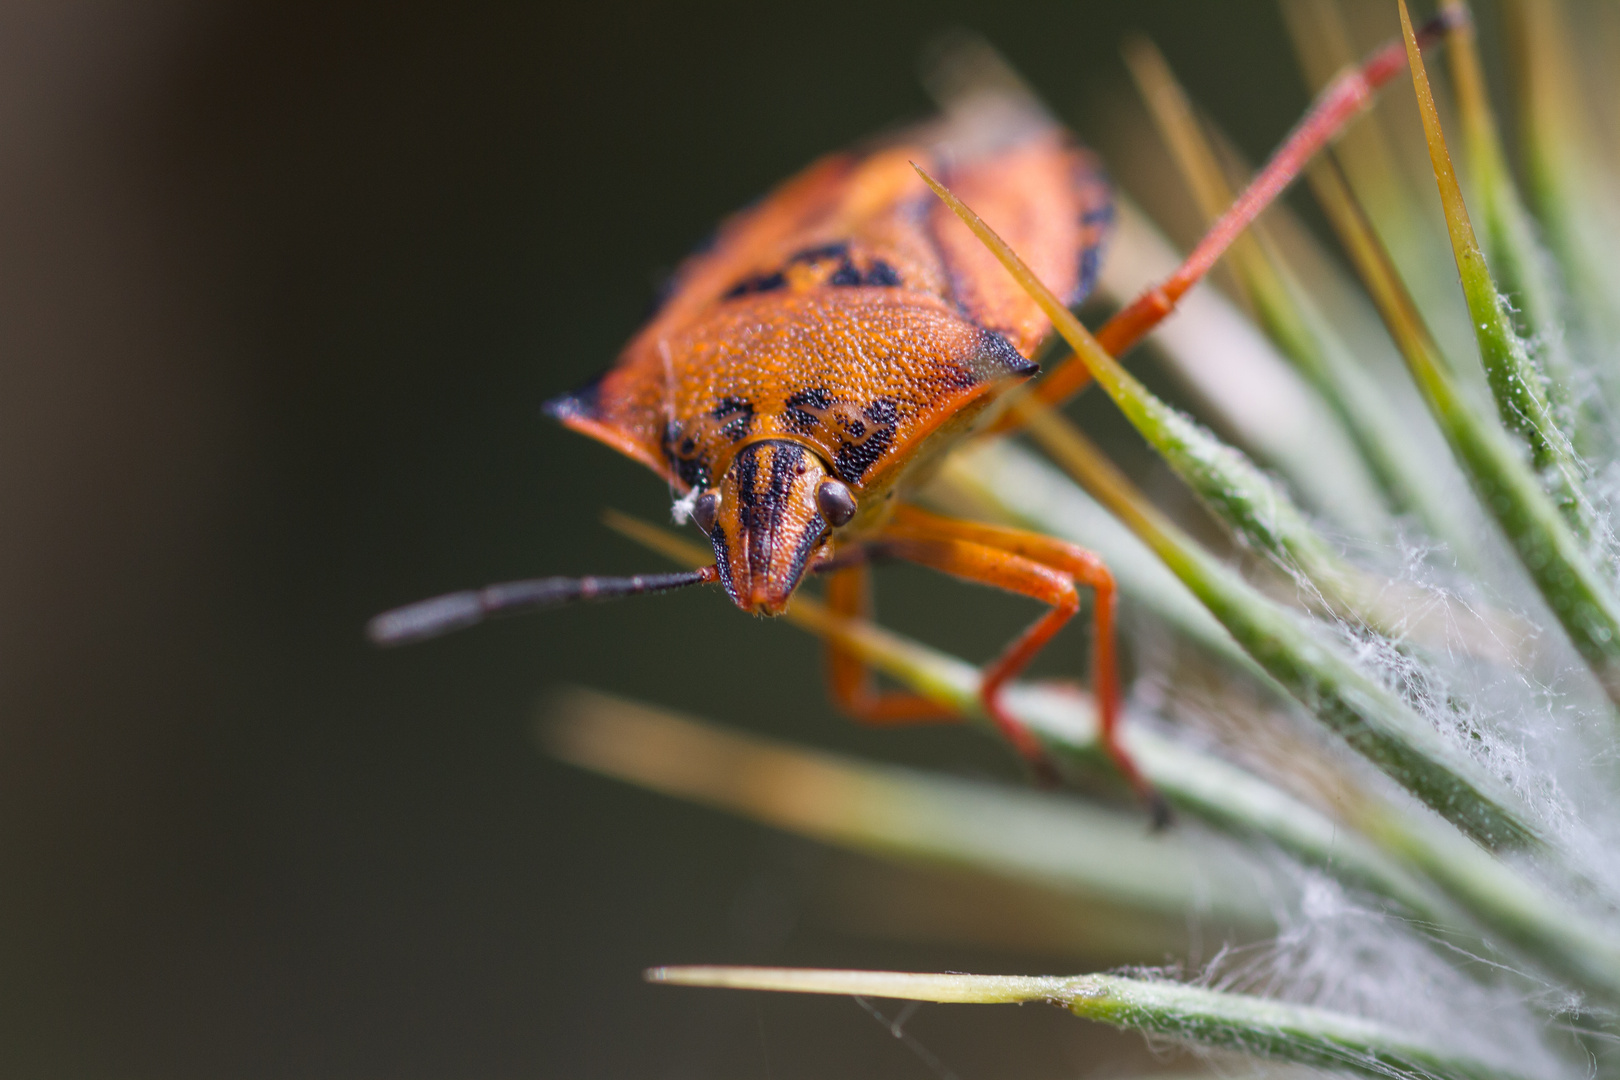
(813, 365)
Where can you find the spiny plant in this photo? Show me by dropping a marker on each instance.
(1385, 701)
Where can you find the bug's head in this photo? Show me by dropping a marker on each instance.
(772, 512)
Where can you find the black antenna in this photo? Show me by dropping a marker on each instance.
(455, 611)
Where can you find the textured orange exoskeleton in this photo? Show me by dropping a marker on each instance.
(831, 343)
(850, 327)
(835, 340)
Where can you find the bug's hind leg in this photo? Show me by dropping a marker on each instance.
(849, 594)
(1044, 569)
(1335, 107)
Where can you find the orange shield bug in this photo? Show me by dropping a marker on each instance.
(810, 367)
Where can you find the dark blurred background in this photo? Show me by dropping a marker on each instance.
(282, 288)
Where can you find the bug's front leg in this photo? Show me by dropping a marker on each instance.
(1043, 569)
(849, 593)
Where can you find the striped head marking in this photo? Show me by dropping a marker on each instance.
(767, 524)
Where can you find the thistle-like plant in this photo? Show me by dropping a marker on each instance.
(1385, 702)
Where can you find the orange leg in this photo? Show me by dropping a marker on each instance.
(850, 681)
(1041, 568)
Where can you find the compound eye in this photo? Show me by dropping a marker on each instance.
(706, 509)
(836, 502)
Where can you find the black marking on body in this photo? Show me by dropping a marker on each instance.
(755, 514)
(1090, 267)
(747, 466)
(741, 413)
(864, 446)
(864, 434)
(1096, 225)
(993, 360)
(814, 533)
(787, 460)
(756, 283)
(761, 512)
(958, 377)
(883, 411)
(722, 560)
(584, 402)
(684, 457)
(804, 409)
(1010, 358)
(1096, 222)
(881, 273)
(846, 273)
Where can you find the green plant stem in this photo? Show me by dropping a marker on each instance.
(1516, 258)
(1256, 1026)
(1217, 353)
(1528, 919)
(1561, 177)
(1406, 860)
(1328, 683)
(1549, 552)
(1509, 907)
(1360, 709)
(1375, 159)
(1288, 315)
(996, 479)
(1239, 494)
(1065, 722)
(1516, 383)
(911, 815)
(1367, 715)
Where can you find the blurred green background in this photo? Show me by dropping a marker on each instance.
(282, 287)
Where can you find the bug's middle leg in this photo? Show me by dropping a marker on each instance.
(1045, 569)
(849, 679)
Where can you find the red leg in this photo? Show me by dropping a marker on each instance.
(1338, 104)
(850, 680)
(1044, 569)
